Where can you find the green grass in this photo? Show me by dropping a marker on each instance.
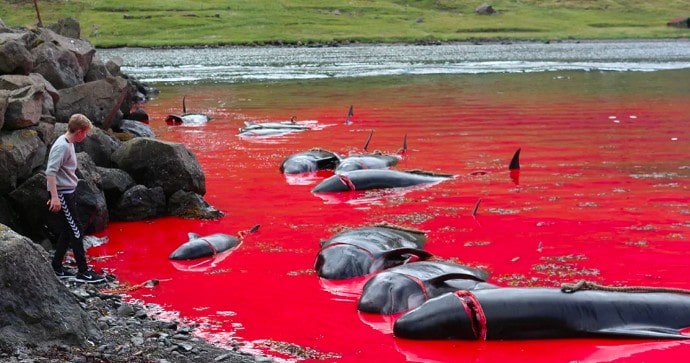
(112, 23)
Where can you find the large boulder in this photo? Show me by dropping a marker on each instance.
(191, 205)
(97, 71)
(21, 154)
(82, 49)
(58, 65)
(29, 201)
(91, 204)
(68, 27)
(28, 97)
(115, 182)
(156, 163)
(137, 128)
(35, 307)
(139, 203)
(98, 100)
(24, 108)
(15, 58)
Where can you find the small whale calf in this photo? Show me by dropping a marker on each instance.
(202, 246)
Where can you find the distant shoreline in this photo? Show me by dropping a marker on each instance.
(431, 44)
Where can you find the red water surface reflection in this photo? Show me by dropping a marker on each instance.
(602, 195)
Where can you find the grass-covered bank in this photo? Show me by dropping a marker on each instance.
(112, 23)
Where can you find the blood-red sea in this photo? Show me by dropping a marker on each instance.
(602, 195)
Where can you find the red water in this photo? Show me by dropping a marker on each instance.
(602, 195)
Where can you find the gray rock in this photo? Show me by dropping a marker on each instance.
(156, 163)
(21, 154)
(58, 65)
(484, 9)
(35, 307)
(38, 82)
(96, 100)
(125, 310)
(138, 203)
(92, 209)
(29, 202)
(114, 182)
(24, 108)
(113, 65)
(136, 128)
(97, 71)
(83, 50)
(68, 27)
(191, 205)
(14, 57)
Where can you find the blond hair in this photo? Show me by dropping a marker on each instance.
(78, 122)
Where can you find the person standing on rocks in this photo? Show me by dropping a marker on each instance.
(62, 181)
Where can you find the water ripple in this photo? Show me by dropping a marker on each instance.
(251, 64)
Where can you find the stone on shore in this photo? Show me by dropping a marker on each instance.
(36, 308)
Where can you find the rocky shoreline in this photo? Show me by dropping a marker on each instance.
(45, 76)
(130, 332)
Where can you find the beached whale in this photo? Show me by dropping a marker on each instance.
(186, 118)
(367, 161)
(538, 313)
(375, 160)
(275, 128)
(407, 286)
(367, 179)
(361, 251)
(202, 246)
(309, 161)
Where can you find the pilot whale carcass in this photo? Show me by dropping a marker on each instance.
(361, 251)
(538, 313)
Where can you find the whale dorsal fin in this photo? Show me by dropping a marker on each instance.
(192, 235)
(515, 162)
(366, 144)
(399, 252)
(403, 151)
(470, 275)
(349, 116)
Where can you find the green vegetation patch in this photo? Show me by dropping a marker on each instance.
(112, 23)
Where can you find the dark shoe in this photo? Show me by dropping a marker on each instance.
(89, 277)
(64, 274)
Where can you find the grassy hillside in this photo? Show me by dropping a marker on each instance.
(111, 23)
